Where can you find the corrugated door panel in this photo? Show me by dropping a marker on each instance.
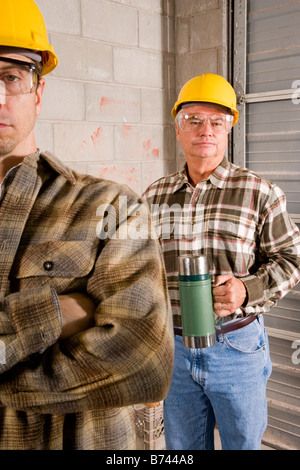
(273, 150)
(283, 394)
(273, 45)
(281, 391)
(286, 315)
(284, 423)
(273, 145)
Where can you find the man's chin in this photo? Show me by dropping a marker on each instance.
(6, 148)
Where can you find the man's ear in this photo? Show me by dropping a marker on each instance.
(39, 94)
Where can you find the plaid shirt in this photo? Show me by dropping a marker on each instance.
(76, 393)
(239, 221)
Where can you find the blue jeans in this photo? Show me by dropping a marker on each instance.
(225, 383)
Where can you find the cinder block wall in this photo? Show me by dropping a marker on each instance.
(106, 107)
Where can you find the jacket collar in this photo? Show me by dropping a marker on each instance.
(53, 162)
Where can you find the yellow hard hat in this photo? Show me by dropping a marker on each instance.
(22, 26)
(208, 88)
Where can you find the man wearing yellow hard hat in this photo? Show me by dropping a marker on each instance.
(85, 330)
(237, 222)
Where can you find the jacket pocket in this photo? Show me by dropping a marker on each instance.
(62, 259)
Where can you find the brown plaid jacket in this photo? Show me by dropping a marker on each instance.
(77, 393)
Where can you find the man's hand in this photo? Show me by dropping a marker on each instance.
(229, 293)
(77, 313)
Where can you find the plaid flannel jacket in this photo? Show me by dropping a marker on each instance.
(77, 393)
(239, 221)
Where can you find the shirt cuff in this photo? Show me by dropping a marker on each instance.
(35, 317)
(255, 291)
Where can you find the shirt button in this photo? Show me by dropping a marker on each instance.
(48, 265)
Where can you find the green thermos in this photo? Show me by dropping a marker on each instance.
(198, 326)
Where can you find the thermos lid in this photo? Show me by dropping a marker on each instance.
(191, 265)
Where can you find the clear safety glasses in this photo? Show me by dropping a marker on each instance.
(220, 123)
(17, 77)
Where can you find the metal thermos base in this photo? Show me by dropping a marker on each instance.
(200, 342)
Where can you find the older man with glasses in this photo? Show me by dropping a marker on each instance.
(238, 220)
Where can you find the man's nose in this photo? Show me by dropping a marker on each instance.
(206, 129)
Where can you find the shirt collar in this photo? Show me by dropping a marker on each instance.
(220, 175)
(7, 180)
(218, 178)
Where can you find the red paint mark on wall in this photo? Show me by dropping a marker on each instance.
(128, 176)
(96, 135)
(105, 101)
(149, 150)
(155, 153)
(147, 145)
(126, 129)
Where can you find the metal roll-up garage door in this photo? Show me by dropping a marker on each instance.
(266, 75)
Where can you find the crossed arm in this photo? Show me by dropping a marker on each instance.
(77, 311)
(112, 346)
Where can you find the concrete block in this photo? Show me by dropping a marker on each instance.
(123, 173)
(192, 7)
(137, 67)
(170, 143)
(180, 159)
(156, 32)
(88, 142)
(190, 65)
(112, 103)
(144, 143)
(63, 100)
(139, 143)
(182, 35)
(207, 30)
(156, 106)
(150, 5)
(82, 59)
(107, 21)
(44, 135)
(168, 72)
(169, 36)
(155, 170)
(61, 16)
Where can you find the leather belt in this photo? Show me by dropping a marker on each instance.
(226, 328)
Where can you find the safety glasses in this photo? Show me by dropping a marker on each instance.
(17, 77)
(220, 123)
